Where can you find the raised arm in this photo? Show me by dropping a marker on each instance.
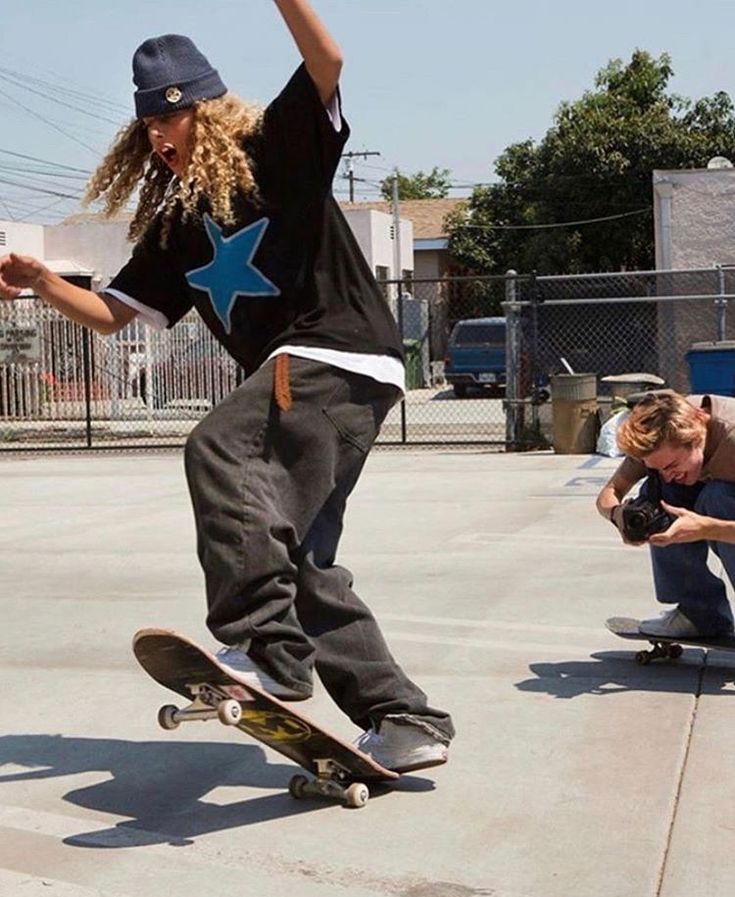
(322, 56)
(100, 312)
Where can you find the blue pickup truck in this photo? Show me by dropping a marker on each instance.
(476, 355)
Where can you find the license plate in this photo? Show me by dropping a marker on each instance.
(487, 378)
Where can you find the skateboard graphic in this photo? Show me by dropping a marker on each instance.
(341, 770)
(663, 647)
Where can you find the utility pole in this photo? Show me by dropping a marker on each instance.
(396, 231)
(350, 171)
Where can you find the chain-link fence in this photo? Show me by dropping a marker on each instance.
(479, 355)
(608, 324)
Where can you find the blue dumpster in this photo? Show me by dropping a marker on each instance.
(712, 367)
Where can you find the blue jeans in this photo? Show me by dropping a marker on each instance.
(680, 572)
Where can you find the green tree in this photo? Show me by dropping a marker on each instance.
(434, 185)
(596, 161)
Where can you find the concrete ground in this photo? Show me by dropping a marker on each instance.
(574, 772)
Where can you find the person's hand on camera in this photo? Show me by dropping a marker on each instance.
(687, 527)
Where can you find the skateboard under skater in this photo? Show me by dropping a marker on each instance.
(341, 771)
(663, 647)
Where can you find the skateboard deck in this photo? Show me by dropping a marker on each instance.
(215, 692)
(663, 647)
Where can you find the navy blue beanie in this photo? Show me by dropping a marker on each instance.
(171, 73)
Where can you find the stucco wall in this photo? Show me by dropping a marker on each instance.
(694, 213)
(372, 231)
(25, 239)
(99, 245)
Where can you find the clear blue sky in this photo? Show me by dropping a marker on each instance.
(426, 82)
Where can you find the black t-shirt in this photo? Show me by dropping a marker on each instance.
(290, 270)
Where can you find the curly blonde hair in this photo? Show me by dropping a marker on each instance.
(658, 419)
(217, 168)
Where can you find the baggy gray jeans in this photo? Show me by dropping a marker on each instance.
(269, 489)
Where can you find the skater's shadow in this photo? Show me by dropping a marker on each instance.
(172, 791)
(612, 672)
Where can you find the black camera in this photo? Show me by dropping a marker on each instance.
(642, 518)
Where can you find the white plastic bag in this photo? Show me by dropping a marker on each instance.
(607, 442)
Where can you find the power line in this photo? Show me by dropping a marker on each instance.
(26, 169)
(40, 189)
(50, 123)
(556, 224)
(45, 162)
(53, 99)
(53, 87)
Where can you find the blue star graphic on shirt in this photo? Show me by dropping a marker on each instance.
(231, 273)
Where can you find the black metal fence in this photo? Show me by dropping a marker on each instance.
(62, 387)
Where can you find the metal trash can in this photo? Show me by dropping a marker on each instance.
(623, 385)
(574, 413)
(712, 367)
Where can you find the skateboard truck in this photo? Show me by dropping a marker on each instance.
(331, 783)
(207, 704)
(664, 650)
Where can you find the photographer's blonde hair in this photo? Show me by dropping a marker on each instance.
(658, 419)
(218, 166)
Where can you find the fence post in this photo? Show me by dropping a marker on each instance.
(721, 304)
(146, 394)
(535, 374)
(513, 336)
(87, 368)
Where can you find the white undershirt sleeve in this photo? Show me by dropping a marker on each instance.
(150, 316)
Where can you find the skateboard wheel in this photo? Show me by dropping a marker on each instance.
(166, 716)
(297, 786)
(643, 658)
(675, 651)
(357, 795)
(229, 712)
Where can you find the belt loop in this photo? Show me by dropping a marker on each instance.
(281, 386)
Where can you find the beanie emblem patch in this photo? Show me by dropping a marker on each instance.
(173, 95)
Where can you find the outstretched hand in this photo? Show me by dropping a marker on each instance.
(18, 273)
(688, 527)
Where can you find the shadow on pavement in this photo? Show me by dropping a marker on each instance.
(612, 672)
(162, 785)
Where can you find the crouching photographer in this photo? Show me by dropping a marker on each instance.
(685, 447)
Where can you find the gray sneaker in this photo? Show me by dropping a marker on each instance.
(402, 747)
(670, 624)
(245, 668)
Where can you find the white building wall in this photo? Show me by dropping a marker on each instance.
(24, 239)
(98, 245)
(372, 230)
(694, 218)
